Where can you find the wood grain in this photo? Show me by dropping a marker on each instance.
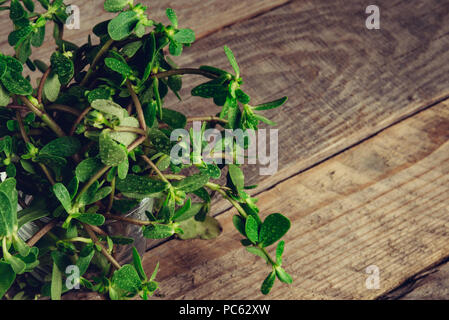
(344, 82)
(383, 202)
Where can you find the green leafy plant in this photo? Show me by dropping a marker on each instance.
(91, 141)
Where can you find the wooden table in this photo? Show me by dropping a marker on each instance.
(363, 145)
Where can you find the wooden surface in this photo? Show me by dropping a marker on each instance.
(355, 197)
(381, 203)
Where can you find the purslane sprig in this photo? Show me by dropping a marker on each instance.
(92, 140)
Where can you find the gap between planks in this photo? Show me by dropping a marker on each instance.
(383, 202)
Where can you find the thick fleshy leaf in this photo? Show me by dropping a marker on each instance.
(172, 17)
(237, 177)
(192, 183)
(279, 252)
(208, 229)
(127, 278)
(52, 87)
(6, 216)
(160, 141)
(87, 168)
(7, 278)
(62, 147)
(16, 84)
(252, 229)
(63, 67)
(115, 5)
(283, 275)
(123, 25)
(109, 107)
(185, 36)
(111, 153)
(173, 118)
(4, 97)
(137, 261)
(91, 218)
(158, 231)
(268, 283)
(232, 60)
(271, 105)
(141, 186)
(273, 228)
(56, 283)
(189, 213)
(98, 93)
(118, 66)
(126, 138)
(63, 196)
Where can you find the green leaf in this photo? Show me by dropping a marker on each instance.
(279, 252)
(93, 219)
(19, 34)
(271, 105)
(252, 229)
(37, 39)
(13, 64)
(63, 67)
(84, 259)
(52, 87)
(62, 147)
(98, 93)
(137, 261)
(273, 228)
(8, 217)
(263, 119)
(191, 183)
(283, 276)
(115, 5)
(189, 213)
(237, 177)
(160, 141)
(258, 252)
(232, 61)
(208, 229)
(239, 224)
(212, 170)
(109, 107)
(56, 283)
(268, 283)
(158, 231)
(4, 97)
(141, 186)
(51, 161)
(123, 25)
(7, 278)
(11, 170)
(35, 211)
(16, 84)
(126, 138)
(175, 48)
(242, 96)
(16, 12)
(111, 153)
(131, 48)
(87, 168)
(3, 67)
(63, 196)
(119, 67)
(29, 4)
(21, 247)
(173, 118)
(207, 90)
(172, 17)
(184, 36)
(127, 279)
(123, 168)
(17, 264)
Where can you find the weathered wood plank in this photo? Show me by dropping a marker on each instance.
(383, 202)
(345, 83)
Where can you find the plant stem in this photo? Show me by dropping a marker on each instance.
(111, 196)
(27, 140)
(236, 205)
(128, 220)
(42, 83)
(130, 129)
(79, 119)
(99, 55)
(103, 249)
(137, 105)
(155, 168)
(182, 71)
(61, 107)
(42, 232)
(44, 116)
(207, 118)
